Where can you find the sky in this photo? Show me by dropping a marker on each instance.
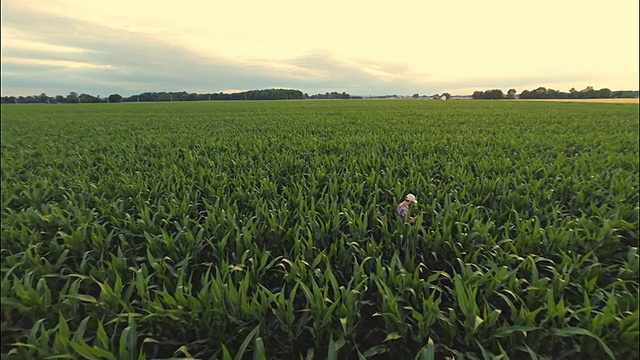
(360, 47)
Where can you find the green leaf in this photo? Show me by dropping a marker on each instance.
(92, 352)
(485, 354)
(508, 330)
(343, 322)
(376, 350)
(340, 343)
(392, 336)
(102, 340)
(62, 335)
(81, 297)
(29, 346)
(259, 353)
(427, 352)
(183, 349)
(132, 340)
(79, 335)
(246, 342)
(123, 350)
(310, 353)
(531, 353)
(478, 322)
(360, 356)
(332, 352)
(572, 331)
(150, 340)
(225, 353)
(85, 351)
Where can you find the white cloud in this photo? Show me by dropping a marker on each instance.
(37, 63)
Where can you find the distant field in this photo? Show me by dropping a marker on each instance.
(267, 230)
(612, 101)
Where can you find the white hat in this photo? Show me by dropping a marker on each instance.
(411, 198)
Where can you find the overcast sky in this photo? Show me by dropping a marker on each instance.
(360, 47)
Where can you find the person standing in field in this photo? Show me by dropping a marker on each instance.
(403, 207)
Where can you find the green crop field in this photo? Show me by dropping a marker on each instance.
(267, 230)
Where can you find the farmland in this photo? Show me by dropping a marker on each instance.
(267, 230)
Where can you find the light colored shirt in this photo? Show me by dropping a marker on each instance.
(402, 210)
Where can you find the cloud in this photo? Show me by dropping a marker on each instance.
(46, 52)
(117, 60)
(47, 49)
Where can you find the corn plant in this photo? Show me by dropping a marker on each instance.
(268, 230)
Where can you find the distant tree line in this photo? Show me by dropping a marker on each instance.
(287, 94)
(331, 95)
(446, 96)
(543, 93)
(266, 94)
